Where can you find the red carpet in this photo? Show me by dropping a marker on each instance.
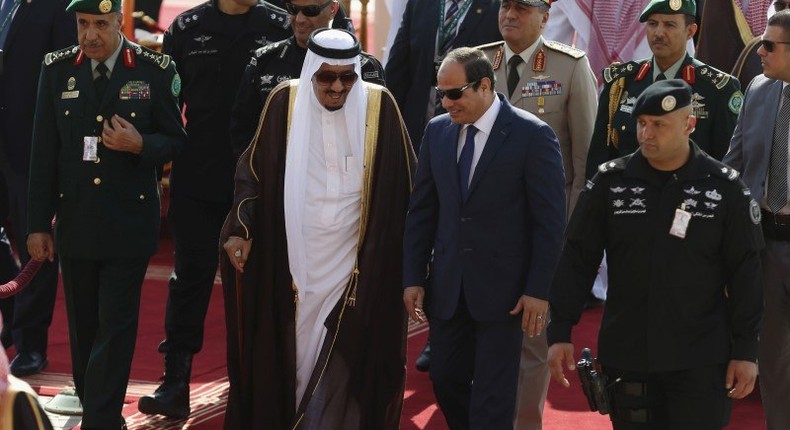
(565, 408)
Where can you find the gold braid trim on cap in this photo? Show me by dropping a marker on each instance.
(614, 102)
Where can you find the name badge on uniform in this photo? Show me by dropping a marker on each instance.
(89, 148)
(70, 94)
(681, 222)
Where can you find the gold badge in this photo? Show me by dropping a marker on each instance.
(668, 103)
(71, 83)
(105, 6)
(675, 4)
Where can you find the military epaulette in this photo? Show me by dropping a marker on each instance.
(616, 165)
(491, 45)
(276, 15)
(60, 55)
(565, 49)
(618, 70)
(161, 60)
(724, 171)
(191, 17)
(370, 67)
(269, 49)
(716, 77)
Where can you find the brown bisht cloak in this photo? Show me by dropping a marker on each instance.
(359, 378)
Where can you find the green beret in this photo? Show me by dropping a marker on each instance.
(662, 98)
(94, 7)
(669, 7)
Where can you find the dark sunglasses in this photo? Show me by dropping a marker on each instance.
(770, 45)
(308, 11)
(454, 93)
(780, 5)
(327, 78)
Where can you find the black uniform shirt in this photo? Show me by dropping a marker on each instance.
(272, 64)
(672, 303)
(211, 50)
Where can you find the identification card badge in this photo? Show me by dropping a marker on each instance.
(681, 222)
(89, 148)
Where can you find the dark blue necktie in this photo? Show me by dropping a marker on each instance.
(6, 10)
(465, 161)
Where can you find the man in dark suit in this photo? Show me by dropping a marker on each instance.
(32, 29)
(489, 201)
(107, 118)
(759, 151)
(428, 30)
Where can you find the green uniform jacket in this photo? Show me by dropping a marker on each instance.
(108, 208)
(716, 102)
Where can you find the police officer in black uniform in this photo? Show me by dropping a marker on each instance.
(281, 61)
(682, 235)
(211, 44)
(716, 97)
(107, 119)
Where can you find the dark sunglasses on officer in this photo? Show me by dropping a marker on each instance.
(454, 93)
(770, 45)
(308, 11)
(781, 5)
(328, 78)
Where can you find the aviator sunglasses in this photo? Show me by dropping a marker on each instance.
(454, 93)
(770, 45)
(308, 11)
(327, 78)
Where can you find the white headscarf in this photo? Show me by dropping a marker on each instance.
(303, 119)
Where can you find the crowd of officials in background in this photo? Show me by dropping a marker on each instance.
(533, 169)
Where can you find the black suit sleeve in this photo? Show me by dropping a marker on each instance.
(64, 29)
(398, 62)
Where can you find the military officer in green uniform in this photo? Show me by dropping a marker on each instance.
(716, 98)
(555, 82)
(106, 120)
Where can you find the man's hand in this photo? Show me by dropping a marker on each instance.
(238, 250)
(534, 318)
(413, 298)
(741, 375)
(41, 247)
(120, 135)
(558, 353)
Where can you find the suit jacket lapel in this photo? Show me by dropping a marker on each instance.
(449, 153)
(17, 22)
(471, 21)
(499, 133)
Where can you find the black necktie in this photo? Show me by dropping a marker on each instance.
(465, 160)
(660, 77)
(512, 73)
(777, 171)
(101, 82)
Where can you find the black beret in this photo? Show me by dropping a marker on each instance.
(662, 98)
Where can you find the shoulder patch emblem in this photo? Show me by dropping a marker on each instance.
(565, 49)
(754, 212)
(175, 85)
(735, 103)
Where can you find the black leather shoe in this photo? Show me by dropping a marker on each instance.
(423, 363)
(28, 363)
(171, 399)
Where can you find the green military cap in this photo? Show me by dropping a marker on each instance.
(662, 98)
(535, 3)
(669, 7)
(94, 7)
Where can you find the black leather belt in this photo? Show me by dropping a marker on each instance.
(777, 219)
(775, 226)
